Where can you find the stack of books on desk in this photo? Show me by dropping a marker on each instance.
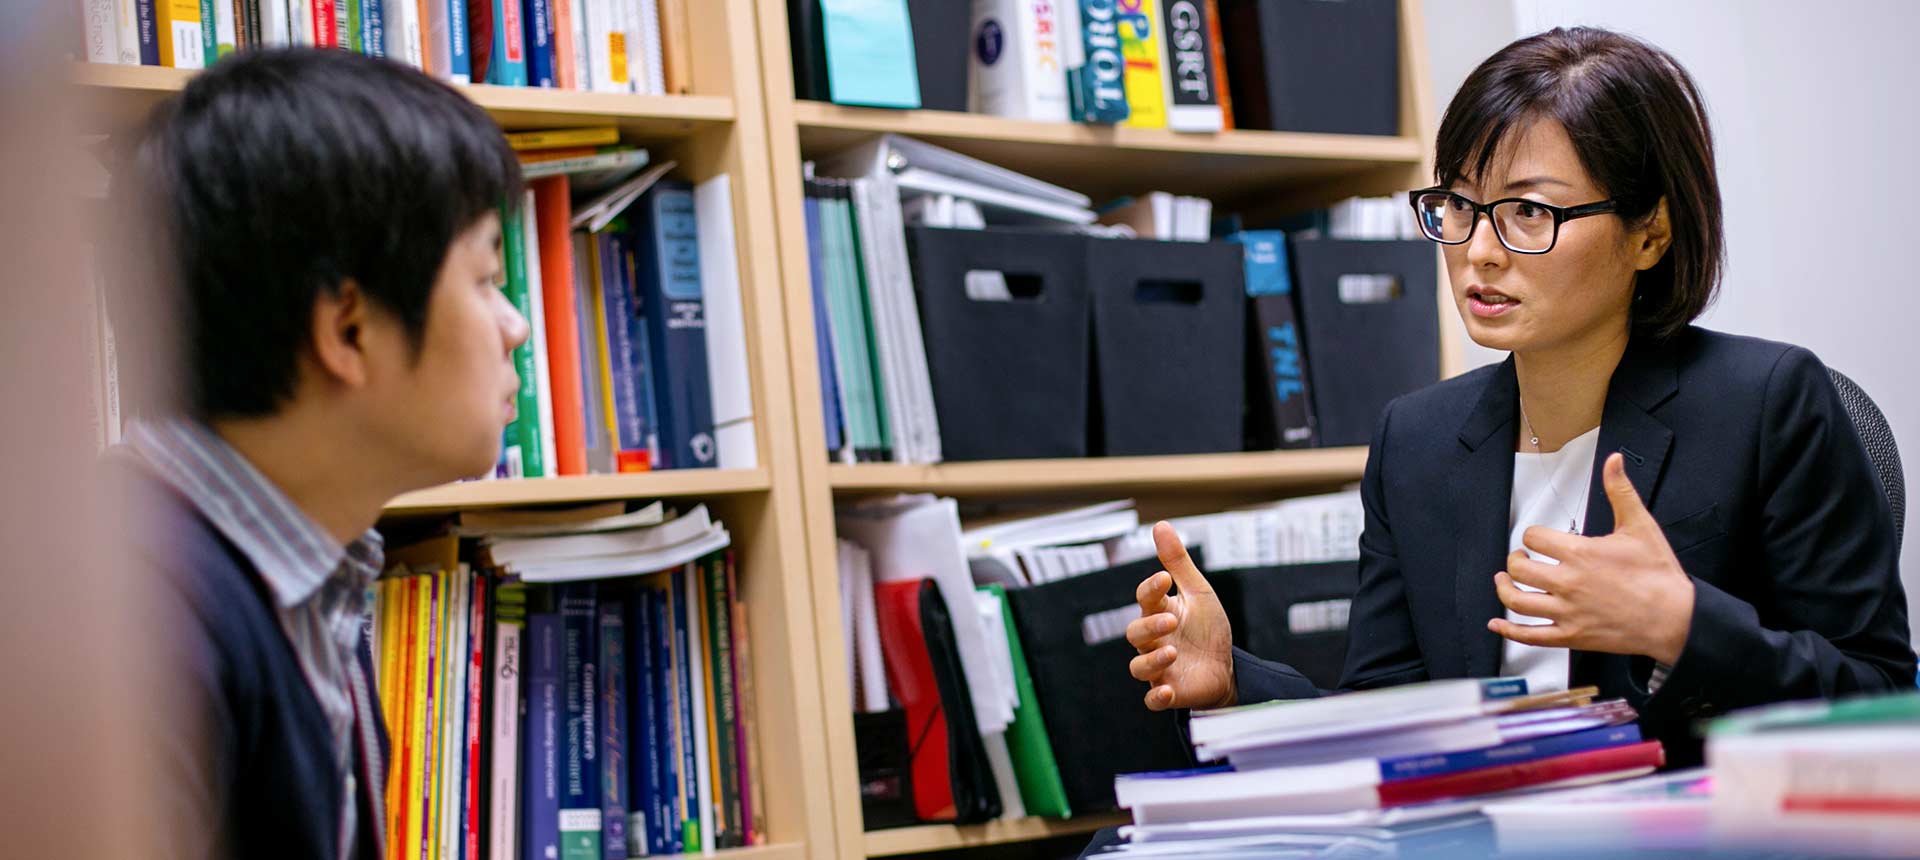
(1838, 778)
(1412, 761)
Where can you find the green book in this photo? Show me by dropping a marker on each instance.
(1857, 712)
(862, 297)
(853, 351)
(1041, 789)
(356, 40)
(523, 435)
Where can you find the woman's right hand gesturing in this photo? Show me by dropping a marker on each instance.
(1185, 641)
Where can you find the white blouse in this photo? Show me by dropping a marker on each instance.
(1548, 490)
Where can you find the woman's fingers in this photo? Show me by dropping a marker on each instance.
(1150, 666)
(1159, 698)
(1152, 593)
(1144, 633)
(1526, 603)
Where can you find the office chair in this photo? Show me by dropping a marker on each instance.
(1878, 439)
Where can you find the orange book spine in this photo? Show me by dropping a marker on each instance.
(565, 73)
(1219, 65)
(553, 214)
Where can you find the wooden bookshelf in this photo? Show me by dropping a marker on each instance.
(532, 492)
(1274, 471)
(1108, 161)
(122, 95)
(1259, 173)
(943, 837)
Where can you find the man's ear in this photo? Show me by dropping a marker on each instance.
(340, 321)
(1655, 236)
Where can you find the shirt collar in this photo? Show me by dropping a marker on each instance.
(294, 555)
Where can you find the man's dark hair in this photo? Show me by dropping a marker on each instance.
(1640, 129)
(277, 176)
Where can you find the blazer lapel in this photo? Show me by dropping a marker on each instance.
(1644, 380)
(1482, 489)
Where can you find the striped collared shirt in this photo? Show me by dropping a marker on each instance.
(318, 586)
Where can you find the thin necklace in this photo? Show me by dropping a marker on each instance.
(1573, 522)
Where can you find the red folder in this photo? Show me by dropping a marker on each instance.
(903, 644)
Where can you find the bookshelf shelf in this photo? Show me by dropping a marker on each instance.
(580, 488)
(1274, 470)
(124, 94)
(943, 837)
(1109, 161)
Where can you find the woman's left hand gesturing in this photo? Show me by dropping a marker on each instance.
(1624, 593)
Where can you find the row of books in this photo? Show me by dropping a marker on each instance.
(637, 359)
(895, 556)
(614, 46)
(604, 718)
(1176, 64)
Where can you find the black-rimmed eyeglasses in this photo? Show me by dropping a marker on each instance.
(1522, 226)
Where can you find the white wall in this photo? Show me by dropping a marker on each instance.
(1815, 121)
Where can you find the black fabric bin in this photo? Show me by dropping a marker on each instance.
(1010, 378)
(1362, 354)
(1295, 614)
(1096, 713)
(940, 44)
(1330, 66)
(1169, 337)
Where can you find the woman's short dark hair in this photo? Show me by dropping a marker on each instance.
(1640, 129)
(279, 174)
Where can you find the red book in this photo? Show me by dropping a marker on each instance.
(476, 638)
(553, 214)
(910, 674)
(1507, 777)
(324, 36)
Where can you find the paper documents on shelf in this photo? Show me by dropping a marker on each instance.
(918, 537)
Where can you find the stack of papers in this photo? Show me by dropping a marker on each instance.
(562, 550)
(1384, 758)
(1306, 530)
(1049, 547)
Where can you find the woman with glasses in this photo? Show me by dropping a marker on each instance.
(1685, 519)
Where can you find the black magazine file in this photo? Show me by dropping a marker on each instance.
(976, 797)
(1330, 66)
(941, 41)
(1169, 344)
(1362, 354)
(1009, 377)
(1095, 712)
(1294, 614)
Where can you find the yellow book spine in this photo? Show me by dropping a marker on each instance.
(441, 708)
(1140, 46)
(384, 612)
(422, 686)
(564, 137)
(698, 572)
(603, 351)
(176, 29)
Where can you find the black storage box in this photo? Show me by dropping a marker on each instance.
(1329, 66)
(1010, 377)
(1074, 635)
(1169, 337)
(1363, 352)
(940, 44)
(1295, 614)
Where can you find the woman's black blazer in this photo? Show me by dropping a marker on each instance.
(1747, 459)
